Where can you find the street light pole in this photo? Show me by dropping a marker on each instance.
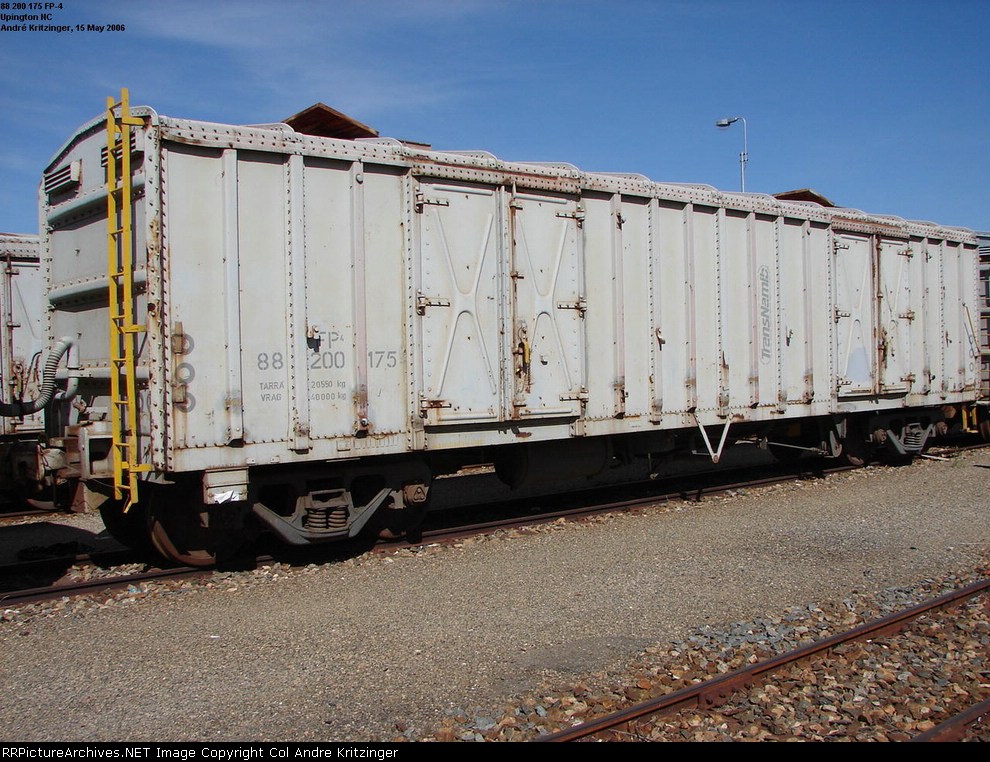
(724, 124)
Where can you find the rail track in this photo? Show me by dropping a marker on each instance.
(642, 499)
(644, 721)
(13, 515)
(446, 528)
(96, 585)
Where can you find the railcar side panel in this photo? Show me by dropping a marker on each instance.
(329, 236)
(632, 313)
(953, 341)
(969, 310)
(203, 297)
(674, 310)
(797, 322)
(913, 320)
(710, 367)
(934, 319)
(272, 342)
(380, 357)
(735, 253)
(817, 284)
(616, 318)
(605, 272)
(749, 309)
(766, 357)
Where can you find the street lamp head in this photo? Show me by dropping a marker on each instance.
(723, 124)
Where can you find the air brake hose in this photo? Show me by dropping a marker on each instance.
(20, 409)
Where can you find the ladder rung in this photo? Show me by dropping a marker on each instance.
(135, 467)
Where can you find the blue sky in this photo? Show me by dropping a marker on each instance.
(881, 105)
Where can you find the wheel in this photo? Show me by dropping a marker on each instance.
(985, 430)
(184, 530)
(182, 535)
(131, 528)
(855, 452)
(851, 459)
(392, 523)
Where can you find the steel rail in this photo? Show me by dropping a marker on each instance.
(716, 691)
(631, 504)
(42, 563)
(10, 516)
(956, 728)
(97, 585)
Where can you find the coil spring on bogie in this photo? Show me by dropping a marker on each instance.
(326, 511)
(914, 439)
(325, 518)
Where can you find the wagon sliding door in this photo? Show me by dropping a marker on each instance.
(873, 314)
(895, 311)
(548, 306)
(855, 315)
(458, 302)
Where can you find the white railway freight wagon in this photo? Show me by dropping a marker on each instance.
(23, 341)
(310, 329)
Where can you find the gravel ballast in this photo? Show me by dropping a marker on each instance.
(381, 647)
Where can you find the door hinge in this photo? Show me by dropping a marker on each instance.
(425, 405)
(422, 302)
(422, 199)
(577, 214)
(581, 305)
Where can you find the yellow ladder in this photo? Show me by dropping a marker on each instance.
(120, 274)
